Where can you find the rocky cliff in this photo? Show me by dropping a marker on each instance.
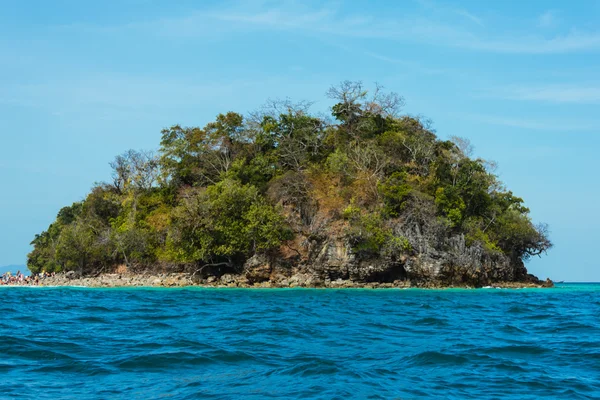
(326, 258)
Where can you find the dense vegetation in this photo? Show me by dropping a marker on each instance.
(272, 181)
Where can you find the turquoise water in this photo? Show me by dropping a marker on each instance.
(74, 343)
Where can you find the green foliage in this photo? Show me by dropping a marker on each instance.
(394, 191)
(68, 214)
(352, 212)
(368, 234)
(78, 246)
(266, 227)
(43, 256)
(229, 190)
(518, 236)
(475, 233)
(398, 245)
(450, 204)
(257, 171)
(338, 162)
(224, 221)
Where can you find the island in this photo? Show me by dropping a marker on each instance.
(282, 197)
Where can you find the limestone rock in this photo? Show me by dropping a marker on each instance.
(257, 269)
(72, 275)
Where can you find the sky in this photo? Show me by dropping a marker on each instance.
(81, 82)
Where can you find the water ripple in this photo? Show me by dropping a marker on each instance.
(74, 343)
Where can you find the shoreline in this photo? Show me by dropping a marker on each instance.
(184, 280)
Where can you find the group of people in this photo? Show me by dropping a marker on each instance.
(20, 279)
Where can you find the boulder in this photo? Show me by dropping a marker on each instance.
(548, 283)
(196, 279)
(257, 269)
(73, 275)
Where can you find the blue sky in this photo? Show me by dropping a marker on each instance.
(81, 82)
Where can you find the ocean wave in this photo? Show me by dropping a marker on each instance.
(70, 343)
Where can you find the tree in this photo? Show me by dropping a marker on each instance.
(194, 156)
(44, 257)
(293, 189)
(224, 223)
(517, 236)
(78, 247)
(395, 191)
(138, 170)
(361, 115)
(463, 145)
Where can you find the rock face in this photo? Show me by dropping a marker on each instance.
(437, 258)
(460, 264)
(72, 275)
(257, 269)
(336, 260)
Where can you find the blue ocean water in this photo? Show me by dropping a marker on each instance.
(72, 343)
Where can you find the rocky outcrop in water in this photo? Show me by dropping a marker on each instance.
(456, 265)
(437, 257)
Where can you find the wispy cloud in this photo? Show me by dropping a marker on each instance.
(547, 19)
(469, 16)
(436, 29)
(532, 124)
(553, 93)
(439, 8)
(332, 20)
(417, 67)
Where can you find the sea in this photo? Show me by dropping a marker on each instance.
(195, 343)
